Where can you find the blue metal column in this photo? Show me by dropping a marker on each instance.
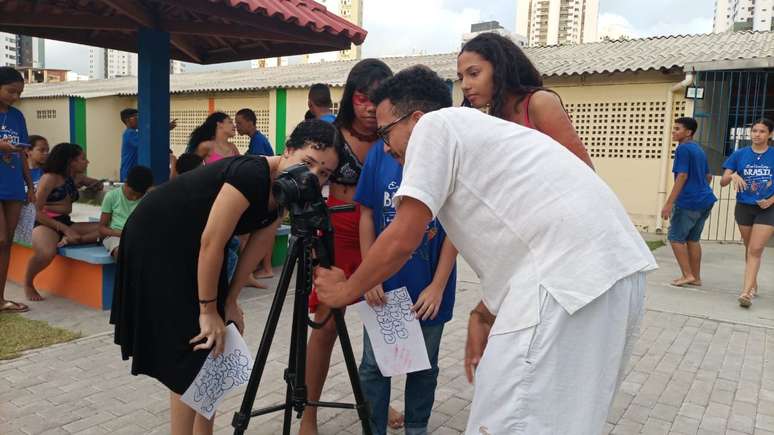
(153, 102)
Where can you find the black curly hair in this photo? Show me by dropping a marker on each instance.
(362, 77)
(59, 158)
(514, 74)
(417, 88)
(206, 131)
(321, 134)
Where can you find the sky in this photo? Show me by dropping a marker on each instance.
(436, 26)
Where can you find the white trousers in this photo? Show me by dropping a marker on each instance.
(559, 376)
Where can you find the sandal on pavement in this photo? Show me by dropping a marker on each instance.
(745, 301)
(13, 307)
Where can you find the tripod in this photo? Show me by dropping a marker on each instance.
(306, 238)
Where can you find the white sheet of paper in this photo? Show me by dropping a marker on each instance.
(395, 333)
(220, 375)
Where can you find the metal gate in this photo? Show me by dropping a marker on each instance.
(732, 101)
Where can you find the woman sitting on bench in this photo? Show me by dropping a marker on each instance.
(63, 174)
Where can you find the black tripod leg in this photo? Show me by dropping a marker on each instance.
(363, 409)
(295, 371)
(290, 375)
(242, 418)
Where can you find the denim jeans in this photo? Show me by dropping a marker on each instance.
(420, 386)
(232, 256)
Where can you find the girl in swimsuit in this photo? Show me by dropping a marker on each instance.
(211, 139)
(63, 174)
(495, 73)
(356, 122)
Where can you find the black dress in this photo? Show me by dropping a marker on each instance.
(155, 302)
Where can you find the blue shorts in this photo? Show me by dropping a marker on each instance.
(686, 225)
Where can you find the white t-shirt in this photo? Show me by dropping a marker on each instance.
(523, 211)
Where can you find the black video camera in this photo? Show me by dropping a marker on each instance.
(298, 191)
(296, 186)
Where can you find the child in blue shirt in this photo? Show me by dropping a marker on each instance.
(690, 202)
(430, 278)
(750, 169)
(14, 173)
(37, 154)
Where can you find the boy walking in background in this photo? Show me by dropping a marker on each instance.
(690, 202)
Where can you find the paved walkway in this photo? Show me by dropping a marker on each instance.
(701, 366)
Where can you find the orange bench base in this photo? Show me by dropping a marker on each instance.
(85, 283)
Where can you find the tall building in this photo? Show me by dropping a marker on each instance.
(557, 22)
(739, 15)
(107, 64)
(176, 67)
(493, 27)
(8, 49)
(269, 62)
(30, 51)
(352, 11)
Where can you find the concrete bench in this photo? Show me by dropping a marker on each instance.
(86, 273)
(82, 273)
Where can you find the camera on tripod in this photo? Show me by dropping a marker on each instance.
(311, 241)
(297, 186)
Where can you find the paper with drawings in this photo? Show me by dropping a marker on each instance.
(395, 333)
(220, 375)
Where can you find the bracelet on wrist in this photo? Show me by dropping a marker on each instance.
(205, 302)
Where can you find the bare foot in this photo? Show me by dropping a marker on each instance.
(307, 429)
(395, 418)
(266, 274)
(32, 294)
(683, 280)
(251, 282)
(695, 283)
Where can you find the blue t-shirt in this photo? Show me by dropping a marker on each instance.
(130, 146)
(36, 174)
(259, 145)
(696, 194)
(755, 169)
(13, 128)
(328, 117)
(379, 180)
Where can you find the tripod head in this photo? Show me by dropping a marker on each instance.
(298, 190)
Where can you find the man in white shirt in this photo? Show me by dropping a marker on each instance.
(562, 268)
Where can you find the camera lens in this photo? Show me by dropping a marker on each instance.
(285, 190)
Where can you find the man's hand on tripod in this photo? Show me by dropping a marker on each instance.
(212, 329)
(329, 284)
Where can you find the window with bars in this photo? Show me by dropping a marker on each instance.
(188, 120)
(46, 114)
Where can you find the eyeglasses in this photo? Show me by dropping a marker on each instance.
(384, 132)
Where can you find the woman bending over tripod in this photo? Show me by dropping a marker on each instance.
(172, 298)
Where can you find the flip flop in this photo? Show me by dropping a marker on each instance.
(13, 307)
(744, 300)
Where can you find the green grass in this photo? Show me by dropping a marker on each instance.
(20, 334)
(655, 244)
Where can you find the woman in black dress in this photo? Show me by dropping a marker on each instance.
(171, 298)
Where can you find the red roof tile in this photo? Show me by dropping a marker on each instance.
(304, 13)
